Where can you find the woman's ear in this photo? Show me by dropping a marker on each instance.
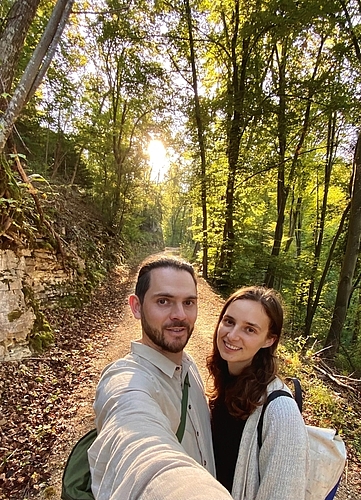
(269, 341)
(135, 306)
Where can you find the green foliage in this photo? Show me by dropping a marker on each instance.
(17, 213)
(14, 315)
(41, 335)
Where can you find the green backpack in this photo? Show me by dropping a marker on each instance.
(76, 482)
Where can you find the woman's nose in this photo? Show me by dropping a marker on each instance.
(234, 334)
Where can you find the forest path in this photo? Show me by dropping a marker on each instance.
(116, 344)
(87, 340)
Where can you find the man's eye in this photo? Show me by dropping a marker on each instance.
(189, 303)
(162, 301)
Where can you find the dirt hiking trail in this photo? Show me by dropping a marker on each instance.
(117, 345)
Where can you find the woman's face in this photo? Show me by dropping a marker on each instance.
(242, 332)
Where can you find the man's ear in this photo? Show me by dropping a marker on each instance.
(135, 305)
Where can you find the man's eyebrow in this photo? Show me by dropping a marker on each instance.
(170, 295)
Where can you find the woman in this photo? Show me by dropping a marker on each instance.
(244, 371)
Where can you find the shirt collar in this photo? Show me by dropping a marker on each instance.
(158, 359)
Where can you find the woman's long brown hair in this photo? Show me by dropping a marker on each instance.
(243, 393)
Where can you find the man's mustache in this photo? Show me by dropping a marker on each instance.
(176, 324)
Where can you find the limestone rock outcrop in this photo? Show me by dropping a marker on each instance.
(37, 270)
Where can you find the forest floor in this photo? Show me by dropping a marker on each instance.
(46, 401)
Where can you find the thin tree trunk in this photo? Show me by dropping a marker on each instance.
(18, 22)
(344, 290)
(283, 187)
(295, 227)
(201, 142)
(326, 268)
(237, 89)
(357, 322)
(30, 78)
(320, 232)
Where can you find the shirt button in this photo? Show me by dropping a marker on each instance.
(190, 407)
(197, 433)
(205, 463)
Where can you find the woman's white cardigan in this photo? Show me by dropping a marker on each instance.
(278, 471)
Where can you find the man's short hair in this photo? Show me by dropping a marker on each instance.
(143, 281)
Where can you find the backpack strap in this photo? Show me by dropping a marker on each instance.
(274, 395)
(184, 403)
(298, 392)
(271, 397)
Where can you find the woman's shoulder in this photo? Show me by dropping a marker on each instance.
(277, 385)
(283, 411)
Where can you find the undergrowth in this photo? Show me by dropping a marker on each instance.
(325, 403)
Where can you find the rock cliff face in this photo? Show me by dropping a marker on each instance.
(16, 318)
(33, 276)
(37, 270)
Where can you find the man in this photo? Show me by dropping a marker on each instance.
(138, 401)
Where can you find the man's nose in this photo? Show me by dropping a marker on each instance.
(178, 311)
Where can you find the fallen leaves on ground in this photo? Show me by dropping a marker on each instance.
(36, 406)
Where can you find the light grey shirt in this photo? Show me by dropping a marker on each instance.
(137, 454)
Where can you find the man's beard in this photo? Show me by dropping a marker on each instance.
(158, 337)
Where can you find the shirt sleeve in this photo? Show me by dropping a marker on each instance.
(136, 454)
(284, 455)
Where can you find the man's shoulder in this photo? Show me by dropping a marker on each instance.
(130, 370)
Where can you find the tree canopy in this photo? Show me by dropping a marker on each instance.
(257, 104)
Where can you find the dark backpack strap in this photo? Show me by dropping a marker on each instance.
(184, 403)
(271, 397)
(298, 392)
(274, 395)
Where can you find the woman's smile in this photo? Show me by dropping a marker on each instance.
(231, 347)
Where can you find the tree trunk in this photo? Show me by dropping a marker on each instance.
(357, 322)
(310, 316)
(12, 40)
(201, 143)
(282, 189)
(283, 186)
(344, 290)
(34, 69)
(321, 224)
(238, 89)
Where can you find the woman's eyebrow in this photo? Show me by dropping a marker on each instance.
(255, 325)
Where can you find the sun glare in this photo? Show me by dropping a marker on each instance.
(158, 160)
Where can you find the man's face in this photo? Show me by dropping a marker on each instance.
(169, 311)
